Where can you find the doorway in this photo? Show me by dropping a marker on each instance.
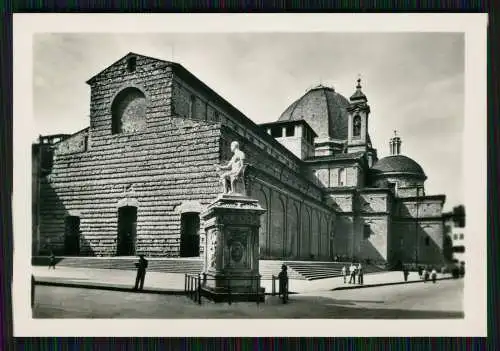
(127, 231)
(190, 235)
(72, 236)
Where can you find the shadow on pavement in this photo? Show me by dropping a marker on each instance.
(58, 302)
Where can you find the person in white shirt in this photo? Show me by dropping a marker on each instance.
(434, 275)
(344, 273)
(352, 271)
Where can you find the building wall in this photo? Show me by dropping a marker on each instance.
(132, 171)
(422, 237)
(335, 176)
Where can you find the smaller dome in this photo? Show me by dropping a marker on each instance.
(398, 164)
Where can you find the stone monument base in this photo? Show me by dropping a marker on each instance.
(232, 262)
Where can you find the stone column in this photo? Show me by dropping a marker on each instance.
(232, 249)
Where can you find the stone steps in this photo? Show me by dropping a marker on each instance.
(301, 270)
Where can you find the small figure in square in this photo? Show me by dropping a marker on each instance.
(434, 275)
(405, 273)
(52, 260)
(425, 273)
(360, 274)
(283, 281)
(344, 273)
(352, 271)
(141, 272)
(462, 269)
(420, 272)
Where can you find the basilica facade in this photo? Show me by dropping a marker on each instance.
(136, 180)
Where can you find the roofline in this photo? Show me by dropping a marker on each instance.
(89, 81)
(330, 159)
(234, 112)
(380, 174)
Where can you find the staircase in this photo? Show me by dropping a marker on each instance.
(321, 270)
(301, 270)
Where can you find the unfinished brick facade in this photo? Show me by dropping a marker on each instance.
(137, 179)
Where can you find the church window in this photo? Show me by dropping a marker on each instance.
(216, 115)
(461, 236)
(427, 241)
(455, 236)
(277, 132)
(290, 131)
(356, 126)
(131, 64)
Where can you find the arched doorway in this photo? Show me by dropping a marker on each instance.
(190, 234)
(127, 231)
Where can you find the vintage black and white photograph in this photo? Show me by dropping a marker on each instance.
(248, 175)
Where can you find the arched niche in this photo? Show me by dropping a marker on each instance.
(128, 111)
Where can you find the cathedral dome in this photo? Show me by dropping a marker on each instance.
(323, 109)
(398, 164)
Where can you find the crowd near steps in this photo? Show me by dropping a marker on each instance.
(301, 270)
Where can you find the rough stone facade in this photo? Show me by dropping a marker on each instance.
(145, 169)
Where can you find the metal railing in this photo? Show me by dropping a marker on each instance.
(193, 286)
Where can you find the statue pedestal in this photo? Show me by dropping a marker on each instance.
(231, 267)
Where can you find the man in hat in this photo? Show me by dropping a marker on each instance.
(141, 272)
(283, 281)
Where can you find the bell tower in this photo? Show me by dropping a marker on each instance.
(358, 138)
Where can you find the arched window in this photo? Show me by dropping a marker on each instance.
(128, 111)
(192, 106)
(356, 126)
(341, 180)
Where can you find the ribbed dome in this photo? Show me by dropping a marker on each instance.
(398, 164)
(323, 109)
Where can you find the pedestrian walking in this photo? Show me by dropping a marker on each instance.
(434, 275)
(360, 274)
(141, 273)
(352, 272)
(344, 273)
(283, 281)
(405, 273)
(420, 271)
(52, 260)
(425, 274)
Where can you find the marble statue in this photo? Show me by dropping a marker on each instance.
(234, 172)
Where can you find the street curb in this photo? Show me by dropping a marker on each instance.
(97, 286)
(108, 287)
(384, 284)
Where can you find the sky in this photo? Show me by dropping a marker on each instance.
(414, 82)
